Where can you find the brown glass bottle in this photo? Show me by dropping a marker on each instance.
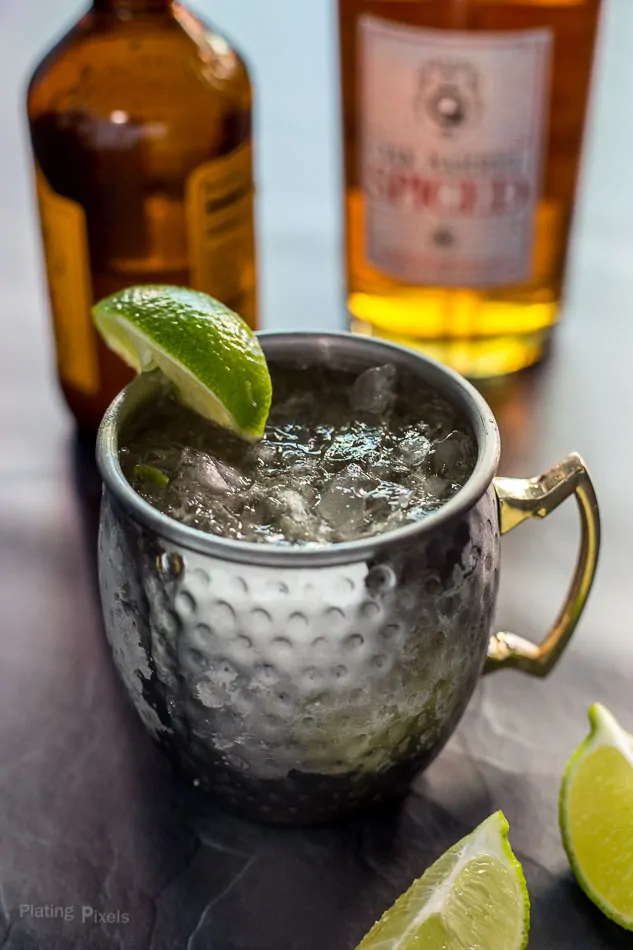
(463, 125)
(140, 121)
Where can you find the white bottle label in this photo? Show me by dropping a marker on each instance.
(453, 134)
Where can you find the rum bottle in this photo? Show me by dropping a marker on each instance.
(463, 125)
(140, 121)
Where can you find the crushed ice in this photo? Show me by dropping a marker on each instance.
(344, 456)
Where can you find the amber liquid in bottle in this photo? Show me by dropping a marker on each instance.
(140, 121)
(461, 167)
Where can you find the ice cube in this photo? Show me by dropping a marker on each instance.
(290, 509)
(414, 449)
(449, 455)
(358, 443)
(291, 503)
(266, 456)
(304, 470)
(343, 502)
(293, 530)
(374, 390)
(234, 479)
(435, 486)
(388, 497)
(224, 522)
(255, 507)
(200, 471)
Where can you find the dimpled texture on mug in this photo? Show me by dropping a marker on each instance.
(295, 692)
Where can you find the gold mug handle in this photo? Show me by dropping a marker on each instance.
(523, 498)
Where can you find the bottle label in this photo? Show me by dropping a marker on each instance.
(220, 224)
(453, 134)
(65, 239)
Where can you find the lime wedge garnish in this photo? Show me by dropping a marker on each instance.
(596, 816)
(474, 896)
(210, 355)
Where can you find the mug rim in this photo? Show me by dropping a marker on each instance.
(275, 343)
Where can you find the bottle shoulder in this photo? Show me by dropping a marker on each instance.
(54, 56)
(152, 65)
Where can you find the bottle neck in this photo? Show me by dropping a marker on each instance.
(131, 7)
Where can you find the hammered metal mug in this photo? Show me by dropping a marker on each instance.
(297, 685)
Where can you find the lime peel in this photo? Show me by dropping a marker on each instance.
(152, 476)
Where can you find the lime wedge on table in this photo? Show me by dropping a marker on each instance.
(596, 816)
(211, 356)
(473, 897)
